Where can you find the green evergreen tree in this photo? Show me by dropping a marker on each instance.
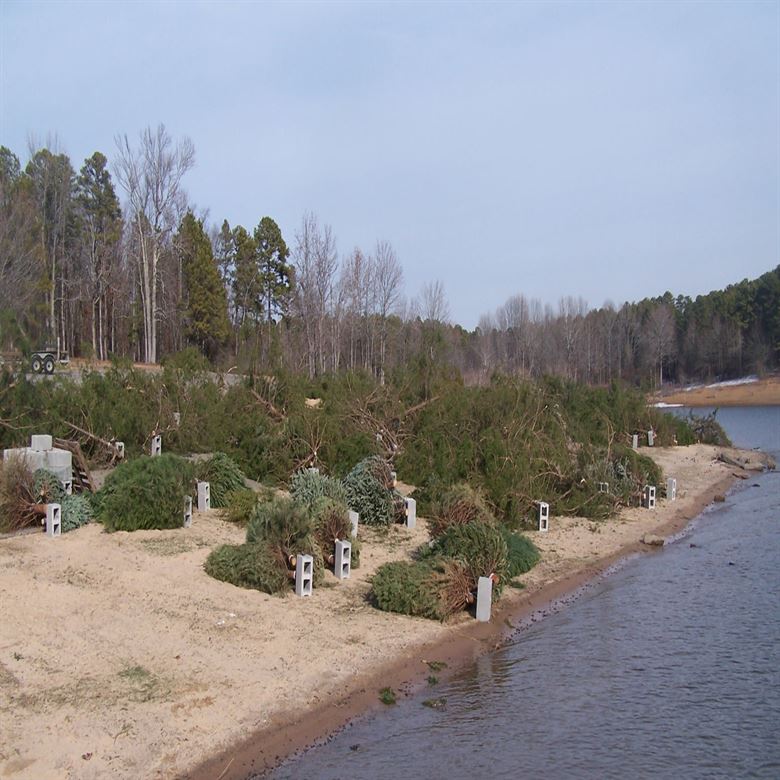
(205, 301)
(275, 274)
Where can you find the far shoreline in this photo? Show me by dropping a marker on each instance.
(760, 392)
(269, 747)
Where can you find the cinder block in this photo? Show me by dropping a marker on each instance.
(187, 511)
(204, 496)
(484, 599)
(650, 438)
(635, 441)
(603, 487)
(304, 575)
(671, 489)
(58, 459)
(544, 516)
(411, 512)
(40, 442)
(354, 518)
(68, 485)
(53, 520)
(120, 449)
(177, 419)
(393, 479)
(156, 446)
(313, 470)
(342, 566)
(649, 497)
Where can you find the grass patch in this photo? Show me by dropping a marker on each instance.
(387, 696)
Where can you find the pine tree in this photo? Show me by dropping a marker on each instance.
(275, 274)
(205, 301)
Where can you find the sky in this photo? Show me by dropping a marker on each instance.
(609, 151)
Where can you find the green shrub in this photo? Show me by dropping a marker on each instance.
(145, 493)
(522, 554)
(76, 511)
(480, 546)
(48, 488)
(367, 496)
(240, 505)
(308, 487)
(286, 528)
(408, 588)
(247, 566)
(224, 477)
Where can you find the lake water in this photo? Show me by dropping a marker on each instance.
(668, 668)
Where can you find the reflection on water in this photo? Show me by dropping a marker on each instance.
(667, 669)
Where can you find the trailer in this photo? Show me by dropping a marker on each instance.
(42, 361)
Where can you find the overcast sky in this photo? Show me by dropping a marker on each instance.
(605, 150)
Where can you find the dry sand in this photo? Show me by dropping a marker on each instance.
(121, 658)
(764, 392)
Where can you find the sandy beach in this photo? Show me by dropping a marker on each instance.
(121, 658)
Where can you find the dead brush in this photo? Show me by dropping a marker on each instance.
(19, 507)
(455, 587)
(460, 505)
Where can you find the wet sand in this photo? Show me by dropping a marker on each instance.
(764, 392)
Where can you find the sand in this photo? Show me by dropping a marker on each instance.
(121, 658)
(764, 392)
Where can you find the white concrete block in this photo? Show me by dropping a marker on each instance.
(393, 479)
(68, 485)
(544, 516)
(354, 518)
(41, 442)
(58, 459)
(650, 438)
(204, 496)
(304, 575)
(484, 599)
(177, 419)
(649, 497)
(635, 441)
(411, 512)
(156, 446)
(671, 489)
(120, 449)
(313, 470)
(187, 511)
(53, 520)
(603, 487)
(343, 566)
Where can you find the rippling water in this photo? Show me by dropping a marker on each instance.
(666, 669)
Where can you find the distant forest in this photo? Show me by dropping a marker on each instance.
(147, 276)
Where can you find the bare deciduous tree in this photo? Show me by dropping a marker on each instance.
(151, 176)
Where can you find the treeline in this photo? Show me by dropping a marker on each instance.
(114, 260)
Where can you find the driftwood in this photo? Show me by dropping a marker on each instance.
(723, 458)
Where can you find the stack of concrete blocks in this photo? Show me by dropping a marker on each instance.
(484, 598)
(53, 520)
(304, 575)
(603, 487)
(411, 512)
(354, 518)
(42, 455)
(187, 511)
(204, 496)
(635, 441)
(155, 448)
(649, 497)
(343, 564)
(544, 516)
(671, 489)
(650, 438)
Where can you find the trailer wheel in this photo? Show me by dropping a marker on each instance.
(48, 365)
(37, 365)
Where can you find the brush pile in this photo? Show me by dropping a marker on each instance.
(369, 492)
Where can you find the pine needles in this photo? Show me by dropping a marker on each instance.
(224, 477)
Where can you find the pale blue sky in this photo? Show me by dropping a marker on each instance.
(608, 150)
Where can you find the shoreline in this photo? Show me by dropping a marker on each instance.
(160, 671)
(761, 392)
(270, 747)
